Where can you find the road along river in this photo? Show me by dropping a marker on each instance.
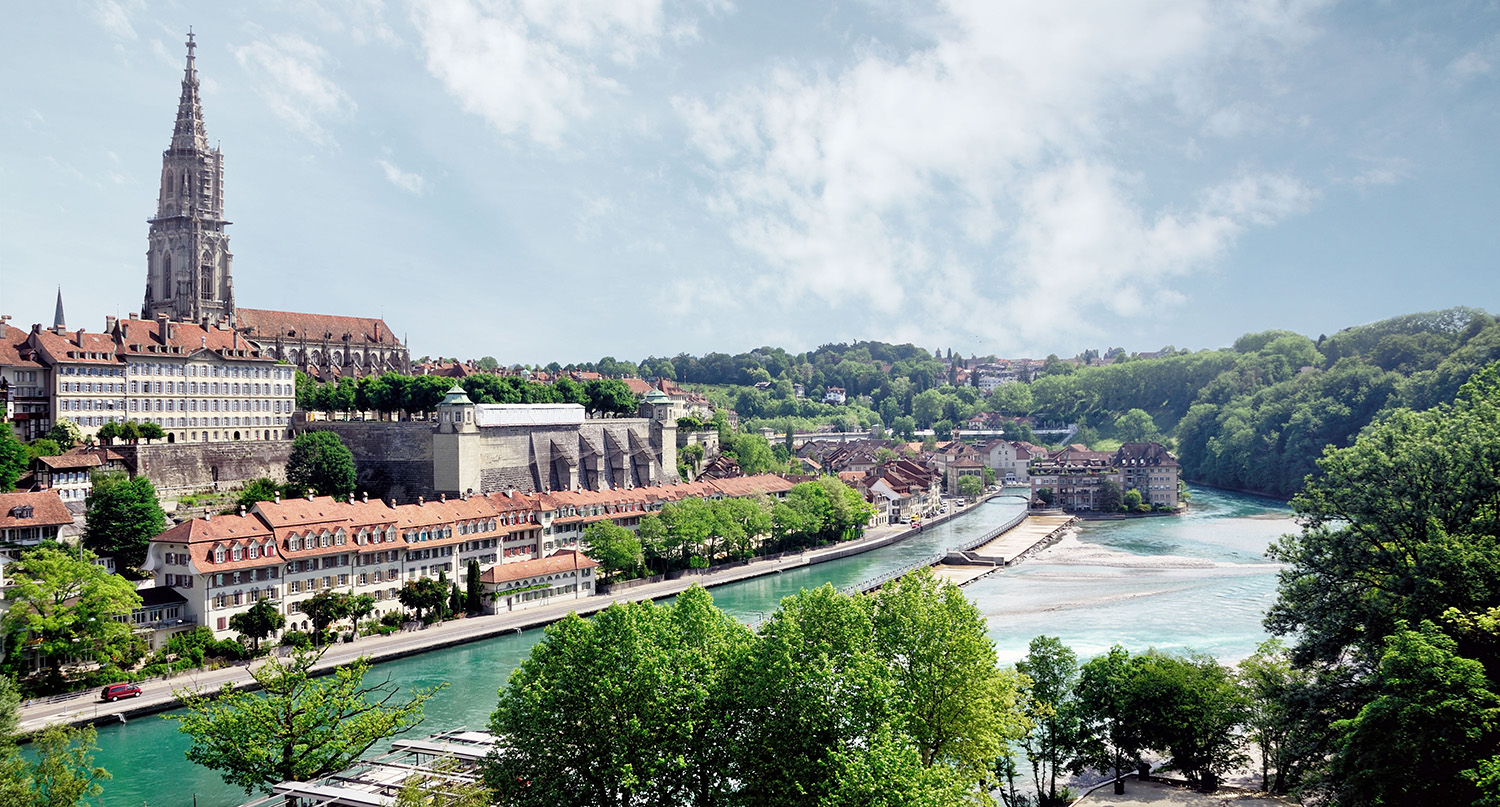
(1198, 581)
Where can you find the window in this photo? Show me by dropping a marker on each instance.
(219, 555)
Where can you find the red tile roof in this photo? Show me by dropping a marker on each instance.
(268, 325)
(565, 560)
(47, 510)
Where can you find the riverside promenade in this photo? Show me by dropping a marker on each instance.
(158, 694)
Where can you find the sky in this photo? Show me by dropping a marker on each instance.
(540, 180)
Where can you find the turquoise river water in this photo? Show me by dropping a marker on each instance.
(1195, 582)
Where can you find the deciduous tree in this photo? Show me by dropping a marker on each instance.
(321, 463)
(68, 607)
(617, 549)
(123, 516)
(297, 727)
(257, 622)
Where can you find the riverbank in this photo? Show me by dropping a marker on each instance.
(158, 694)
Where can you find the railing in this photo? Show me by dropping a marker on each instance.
(872, 583)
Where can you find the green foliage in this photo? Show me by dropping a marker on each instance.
(149, 431)
(680, 704)
(297, 727)
(474, 587)
(1051, 673)
(970, 485)
(65, 433)
(258, 622)
(61, 772)
(42, 447)
(752, 452)
(66, 606)
(323, 609)
(254, 492)
(609, 396)
(1110, 498)
(123, 516)
(14, 458)
(426, 596)
(617, 549)
(320, 462)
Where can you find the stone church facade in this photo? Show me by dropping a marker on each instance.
(189, 267)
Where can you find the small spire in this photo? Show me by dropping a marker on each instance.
(190, 133)
(58, 321)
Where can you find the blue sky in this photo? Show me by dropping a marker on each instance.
(543, 180)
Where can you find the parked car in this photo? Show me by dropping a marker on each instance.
(114, 692)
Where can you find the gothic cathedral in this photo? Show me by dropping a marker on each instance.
(188, 259)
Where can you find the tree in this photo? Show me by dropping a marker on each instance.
(1136, 426)
(617, 549)
(1109, 496)
(1433, 715)
(1129, 500)
(65, 433)
(325, 608)
(360, 607)
(473, 588)
(609, 396)
(61, 774)
(254, 492)
(958, 707)
(298, 727)
(1052, 669)
(618, 709)
(320, 462)
(970, 485)
(1272, 686)
(68, 606)
(257, 623)
(123, 516)
(14, 458)
(1190, 709)
(150, 431)
(425, 596)
(1109, 737)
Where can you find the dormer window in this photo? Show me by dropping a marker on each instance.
(237, 554)
(252, 551)
(219, 555)
(270, 549)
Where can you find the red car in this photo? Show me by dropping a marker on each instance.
(114, 692)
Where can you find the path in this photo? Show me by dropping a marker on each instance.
(1138, 794)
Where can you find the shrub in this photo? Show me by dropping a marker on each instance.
(297, 639)
(391, 619)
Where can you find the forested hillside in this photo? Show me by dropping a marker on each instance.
(1254, 416)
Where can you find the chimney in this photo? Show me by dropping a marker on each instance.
(109, 325)
(419, 501)
(309, 495)
(135, 315)
(442, 497)
(364, 496)
(278, 497)
(242, 511)
(208, 516)
(80, 337)
(161, 328)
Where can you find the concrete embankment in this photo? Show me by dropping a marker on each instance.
(159, 693)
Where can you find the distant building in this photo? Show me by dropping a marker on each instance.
(70, 474)
(27, 519)
(834, 395)
(1074, 476)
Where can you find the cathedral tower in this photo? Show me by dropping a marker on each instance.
(187, 259)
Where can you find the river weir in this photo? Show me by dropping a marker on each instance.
(1198, 581)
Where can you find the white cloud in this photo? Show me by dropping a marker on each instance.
(114, 16)
(287, 72)
(536, 67)
(988, 159)
(408, 181)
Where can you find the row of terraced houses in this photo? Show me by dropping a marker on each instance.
(527, 546)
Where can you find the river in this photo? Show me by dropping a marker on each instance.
(1198, 582)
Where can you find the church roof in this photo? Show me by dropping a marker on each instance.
(268, 325)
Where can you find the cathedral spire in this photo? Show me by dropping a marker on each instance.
(58, 321)
(190, 133)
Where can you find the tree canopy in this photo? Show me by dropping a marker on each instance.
(297, 727)
(321, 463)
(123, 516)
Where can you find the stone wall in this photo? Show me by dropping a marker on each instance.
(178, 468)
(394, 460)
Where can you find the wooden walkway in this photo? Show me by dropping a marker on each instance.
(1010, 547)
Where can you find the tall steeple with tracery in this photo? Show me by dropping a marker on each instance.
(188, 262)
